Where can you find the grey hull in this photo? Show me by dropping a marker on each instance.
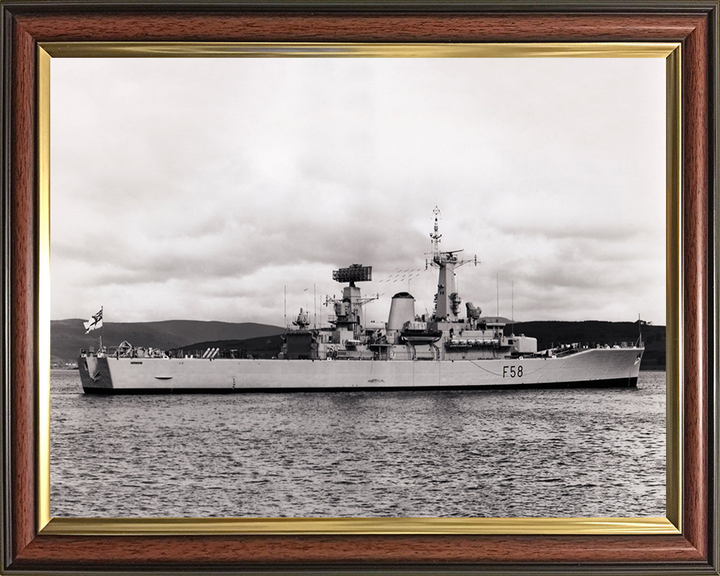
(593, 367)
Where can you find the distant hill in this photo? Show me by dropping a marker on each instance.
(550, 334)
(67, 337)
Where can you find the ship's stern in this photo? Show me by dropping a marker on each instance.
(95, 374)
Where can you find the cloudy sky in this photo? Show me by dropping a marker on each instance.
(201, 188)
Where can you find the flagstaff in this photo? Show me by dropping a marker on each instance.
(95, 322)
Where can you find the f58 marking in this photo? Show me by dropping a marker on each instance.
(512, 371)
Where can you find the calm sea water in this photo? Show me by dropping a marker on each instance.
(579, 452)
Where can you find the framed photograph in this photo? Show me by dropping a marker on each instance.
(272, 201)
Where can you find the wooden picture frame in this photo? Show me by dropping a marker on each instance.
(30, 547)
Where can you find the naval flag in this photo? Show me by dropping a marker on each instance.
(94, 322)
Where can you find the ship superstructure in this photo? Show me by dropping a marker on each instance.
(445, 335)
(443, 350)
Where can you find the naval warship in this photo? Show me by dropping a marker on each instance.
(443, 350)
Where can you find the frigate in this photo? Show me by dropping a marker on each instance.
(443, 350)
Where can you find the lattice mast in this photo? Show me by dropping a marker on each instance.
(447, 300)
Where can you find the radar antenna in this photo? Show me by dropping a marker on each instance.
(349, 312)
(353, 273)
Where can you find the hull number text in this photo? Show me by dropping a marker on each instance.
(512, 371)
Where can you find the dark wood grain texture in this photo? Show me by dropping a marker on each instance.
(289, 27)
(686, 553)
(695, 236)
(22, 292)
(323, 550)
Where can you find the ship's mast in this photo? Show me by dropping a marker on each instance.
(349, 312)
(447, 300)
(435, 237)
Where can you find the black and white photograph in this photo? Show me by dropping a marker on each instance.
(358, 287)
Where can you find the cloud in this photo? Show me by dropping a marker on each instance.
(206, 189)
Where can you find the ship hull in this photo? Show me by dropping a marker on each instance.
(597, 367)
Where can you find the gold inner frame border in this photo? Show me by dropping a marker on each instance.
(671, 524)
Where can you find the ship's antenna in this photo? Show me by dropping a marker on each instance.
(285, 305)
(497, 295)
(314, 307)
(102, 327)
(512, 307)
(435, 237)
